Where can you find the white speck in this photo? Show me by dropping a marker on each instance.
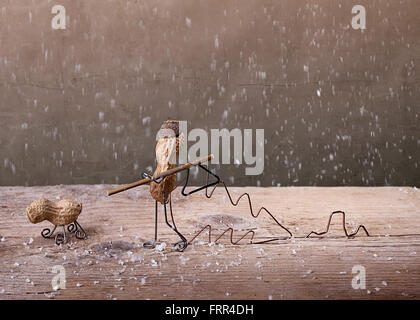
(225, 115)
(384, 283)
(31, 240)
(49, 295)
(79, 284)
(3, 239)
(146, 120)
(216, 41)
(183, 259)
(160, 247)
(210, 101)
(368, 291)
(377, 289)
(293, 252)
(188, 22)
(318, 92)
(270, 297)
(262, 75)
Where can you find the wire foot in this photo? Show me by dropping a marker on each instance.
(149, 244)
(181, 245)
(61, 237)
(76, 229)
(47, 233)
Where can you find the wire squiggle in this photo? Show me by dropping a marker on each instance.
(235, 203)
(252, 232)
(344, 227)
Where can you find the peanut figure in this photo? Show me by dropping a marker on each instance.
(163, 181)
(61, 213)
(167, 149)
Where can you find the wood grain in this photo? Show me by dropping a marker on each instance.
(112, 264)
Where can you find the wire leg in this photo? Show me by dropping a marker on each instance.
(76, 229)
(48, 233)
(170, 210)
(183, 243)
(80, 232)
(152, 244)
(61, 238)
(156, 219)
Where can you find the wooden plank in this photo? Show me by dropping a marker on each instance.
(112, 264)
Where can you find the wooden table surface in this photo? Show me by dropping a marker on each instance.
(112, 264)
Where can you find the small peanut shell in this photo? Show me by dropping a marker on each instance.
(59, 213)
(167, 148)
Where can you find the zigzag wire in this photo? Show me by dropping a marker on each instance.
(252, 232)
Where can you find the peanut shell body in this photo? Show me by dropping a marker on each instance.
(167, 148)
(59, 213)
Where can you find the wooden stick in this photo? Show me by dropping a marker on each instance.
(162, 175)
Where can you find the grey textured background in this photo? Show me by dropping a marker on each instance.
(82, 105)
